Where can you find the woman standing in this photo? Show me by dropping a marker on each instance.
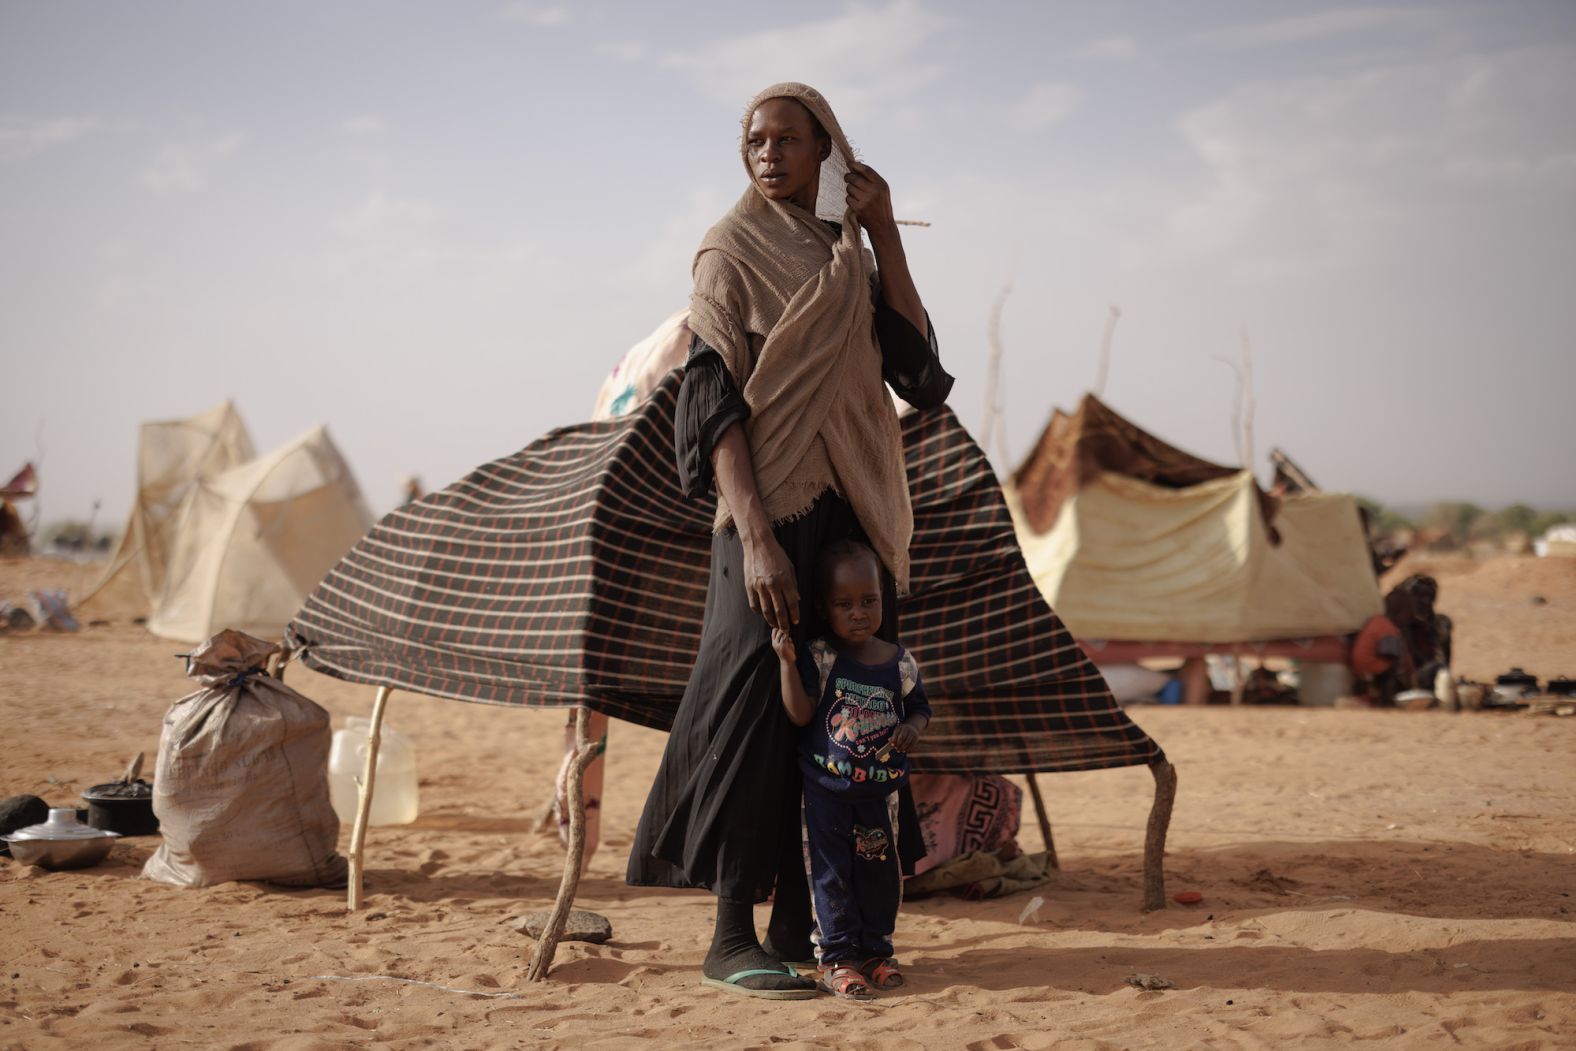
(784, 409)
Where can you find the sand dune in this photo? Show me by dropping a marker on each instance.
(1392, 879)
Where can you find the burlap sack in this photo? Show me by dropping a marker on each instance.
(241, 789)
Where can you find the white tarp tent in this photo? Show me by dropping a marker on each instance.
(1131, 560)
(220, 542)
(1132, 539)
(253, 541)
(171, 455)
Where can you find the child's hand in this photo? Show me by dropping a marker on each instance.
(905, 737)
(782, 643)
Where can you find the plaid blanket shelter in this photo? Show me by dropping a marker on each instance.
(574, 573)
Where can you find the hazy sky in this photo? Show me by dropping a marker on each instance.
(436, 226)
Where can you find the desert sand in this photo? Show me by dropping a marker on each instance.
(1380, 878)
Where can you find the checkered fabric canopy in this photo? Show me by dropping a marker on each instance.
(574, 573)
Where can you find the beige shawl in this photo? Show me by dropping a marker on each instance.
(787, 303)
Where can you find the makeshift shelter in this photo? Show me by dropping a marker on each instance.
(573, 574)
(1559, 542)
(1135, 541)
(252, 542)
(219, 543)
(14, 539)
(172, 455)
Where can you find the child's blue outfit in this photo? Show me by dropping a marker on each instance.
(853, 860)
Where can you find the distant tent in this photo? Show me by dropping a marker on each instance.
(1559, 541)
(22, 484)
(14, 542)
(171, 456)
(1132, 539)
(242, 545)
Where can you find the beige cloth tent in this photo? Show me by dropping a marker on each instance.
(218, 542)
(1145, 545)
(171, 456)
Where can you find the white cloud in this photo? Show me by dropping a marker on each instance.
(860, 59)
(1111, 48)
(1301, 29)
(114, 250)
(543, 17)
(623, 51)
(401, 238)
(1297, 185)
(1044, 105)
(1332, 169)
(21, 138)
(186, 168)
(364, 126)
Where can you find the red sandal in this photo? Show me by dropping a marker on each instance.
(844, 980)
(882, 973)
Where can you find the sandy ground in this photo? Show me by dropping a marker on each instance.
(1382, 878)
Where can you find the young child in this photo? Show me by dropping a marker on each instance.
(867, 710)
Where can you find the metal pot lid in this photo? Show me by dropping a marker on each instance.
(137, 791)
(62, 825)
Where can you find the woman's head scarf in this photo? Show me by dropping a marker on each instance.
(786, 300)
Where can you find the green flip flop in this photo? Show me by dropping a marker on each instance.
(731, 984)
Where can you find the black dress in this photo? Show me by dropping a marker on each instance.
(723, 810)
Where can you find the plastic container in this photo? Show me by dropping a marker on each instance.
(1321, 683)
(394, 798)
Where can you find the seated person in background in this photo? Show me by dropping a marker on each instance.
(1381, 661)
(1427, 632)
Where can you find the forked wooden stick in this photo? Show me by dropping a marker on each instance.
(574, 857)
(364, 786)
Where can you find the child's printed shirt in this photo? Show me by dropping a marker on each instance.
(860, 706)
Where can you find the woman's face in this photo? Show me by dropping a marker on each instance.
(784, 153)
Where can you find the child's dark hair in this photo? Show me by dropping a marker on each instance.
(835, 554)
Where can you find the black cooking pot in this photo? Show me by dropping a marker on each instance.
(123, 808)
(1517, 677)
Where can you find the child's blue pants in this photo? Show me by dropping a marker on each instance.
(854, 874)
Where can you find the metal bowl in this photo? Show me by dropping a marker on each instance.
(61, 853)
(62, 842)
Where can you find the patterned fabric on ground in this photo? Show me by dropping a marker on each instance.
(983, 875)
(963, 813)
(574, 572)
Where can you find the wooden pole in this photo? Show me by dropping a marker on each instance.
(1105, 349)
(574, 858)
(1045, 821)
(1155, 837)
(1249, 403)
(1236, 412)
(993, 435)
(364, 787)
